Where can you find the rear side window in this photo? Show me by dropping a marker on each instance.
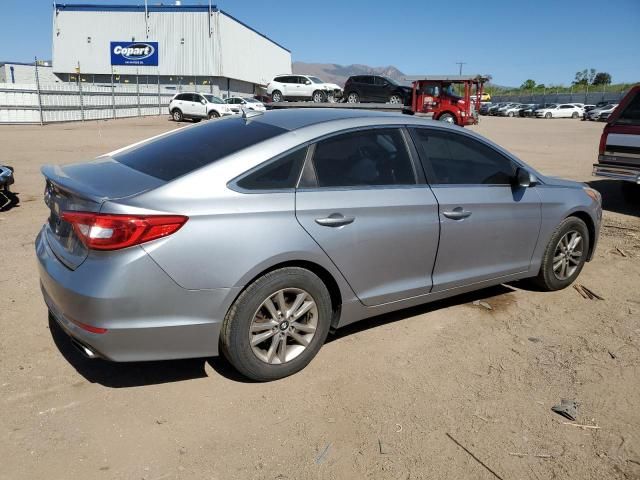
(631, 114)
(366, 79)
(453, 159)
(179, 153)
(366, 158)
(279, 174)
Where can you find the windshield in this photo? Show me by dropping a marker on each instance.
(213, 99)
(251, 100)
(315, 80)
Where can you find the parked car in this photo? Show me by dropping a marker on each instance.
(598, 113)
(529, 109)
(197, 106)
(376, 88)
(587, 109)
(302, 87)
(512, 110)
(493, 109)
(484, 108)
(248, 234)
(500, 110)
(619, 152)
(248, 103)
(564, 110)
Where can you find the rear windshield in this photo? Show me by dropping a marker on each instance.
(183, 152)
(631, 114)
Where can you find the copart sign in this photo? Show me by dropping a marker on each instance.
(134, 53)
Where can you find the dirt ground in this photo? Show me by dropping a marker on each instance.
(451, 390)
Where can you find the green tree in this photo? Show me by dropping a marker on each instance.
(585, 77)
(528, 85)
(602, 78)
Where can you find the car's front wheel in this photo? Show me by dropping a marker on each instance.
(548, 115)
(353, 97)
(318, 97)
(564, 256)
(277, 324)
(395, 99)
(447, 118)
(213, 114)
(574, 115)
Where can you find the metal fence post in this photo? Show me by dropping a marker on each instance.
(38, 88)
(80, 92)
(113, 95)
(138, 92)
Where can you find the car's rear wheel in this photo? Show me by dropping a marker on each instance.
(574, 115)
(353, 97)
(564, 256)
(395, 99)
(548, 115)
(276, 96)
(177, 116)
(213, 114)
(318, 97)
(277, 324)
(447, 118)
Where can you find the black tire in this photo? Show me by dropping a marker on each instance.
(234, 336)
(547, 280)
(447, 118)
(574, 115)
(548, 115)
(353, 97)
(276, 96)
(318, 97)
(396, 99)
(177, 115)
(630, 192)
(213, 114)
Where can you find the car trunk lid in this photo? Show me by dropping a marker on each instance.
(84, 188)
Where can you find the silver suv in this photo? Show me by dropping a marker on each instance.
(253, 237)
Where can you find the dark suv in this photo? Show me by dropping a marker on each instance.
(375, 88)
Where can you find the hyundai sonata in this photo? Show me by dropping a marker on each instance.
(254, 237)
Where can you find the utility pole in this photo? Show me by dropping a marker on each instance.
(461, 64)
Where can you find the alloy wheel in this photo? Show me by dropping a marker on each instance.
(395, 99)
(353, 98)
(568, 255)
(283, 326)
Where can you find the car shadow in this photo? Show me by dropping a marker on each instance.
(613, 199)
(8, 200)
(138, 374)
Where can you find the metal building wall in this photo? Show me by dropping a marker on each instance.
(190, 43)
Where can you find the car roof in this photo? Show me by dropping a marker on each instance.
(296, 118)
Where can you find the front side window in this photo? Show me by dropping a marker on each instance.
(454, 159)
(277, 175)
(365, 158)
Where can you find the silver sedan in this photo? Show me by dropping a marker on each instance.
(253, 237)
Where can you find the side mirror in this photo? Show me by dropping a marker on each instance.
(524, 179)
(203, 101)
(308, 82)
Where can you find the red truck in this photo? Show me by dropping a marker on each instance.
(619, 153)
(433, 94)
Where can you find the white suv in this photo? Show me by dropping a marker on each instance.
(197, 106)
(302, 87)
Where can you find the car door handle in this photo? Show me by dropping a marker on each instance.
(335, 220)
(457, 213)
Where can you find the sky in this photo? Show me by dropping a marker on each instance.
(512, 40)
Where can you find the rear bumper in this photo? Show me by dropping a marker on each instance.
(147, 316)
(617, 172)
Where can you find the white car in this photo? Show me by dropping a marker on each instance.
(249, 103)
(197, 106)
(302, 87)
(597, 112)
(563, 110)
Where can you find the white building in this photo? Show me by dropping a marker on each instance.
(166, 44)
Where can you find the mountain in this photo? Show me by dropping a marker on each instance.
(331, 72)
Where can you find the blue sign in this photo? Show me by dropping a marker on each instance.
(134, 53)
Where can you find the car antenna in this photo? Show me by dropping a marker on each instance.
(248, 114)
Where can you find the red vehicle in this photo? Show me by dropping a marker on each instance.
(619, 153)
(434, 94)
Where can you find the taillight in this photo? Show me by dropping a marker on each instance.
(112, 232)
(603, 140)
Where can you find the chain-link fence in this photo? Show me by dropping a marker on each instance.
(84, 99)
(555, 96)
